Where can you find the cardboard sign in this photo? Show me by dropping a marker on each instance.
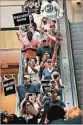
(9, 86)
(21, 18)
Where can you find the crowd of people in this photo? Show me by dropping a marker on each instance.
(40, 95)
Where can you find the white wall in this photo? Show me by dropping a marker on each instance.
(7, 17)
(11, 2)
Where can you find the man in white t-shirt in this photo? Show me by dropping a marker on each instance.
(50, 9)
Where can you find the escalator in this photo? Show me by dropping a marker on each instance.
(76, 30)
(70, 61)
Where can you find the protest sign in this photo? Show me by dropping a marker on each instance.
(9, 86)
(21, 18)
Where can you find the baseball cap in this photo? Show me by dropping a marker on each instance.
(27, 76)
(55, 91)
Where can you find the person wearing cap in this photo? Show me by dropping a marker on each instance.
(27, 87)
(50, 9)
(46, 75)
(53, 100)
(44, 47)
(54, 84)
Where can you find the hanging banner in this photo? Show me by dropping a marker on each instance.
(9, 86)
(21, 18)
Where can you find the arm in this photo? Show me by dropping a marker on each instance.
(59, 37)
(50, 36)
(34, 69)
(42, 64)
(21, 34)
(21, 106)
(57, 10)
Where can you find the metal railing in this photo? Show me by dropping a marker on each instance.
(20, 81)
(70, 57)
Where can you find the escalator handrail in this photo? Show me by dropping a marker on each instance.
(70, 55)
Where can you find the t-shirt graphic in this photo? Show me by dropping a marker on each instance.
(48, 8)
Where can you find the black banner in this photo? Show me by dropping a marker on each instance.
(21, 18)
(9, 87)
(46, 88)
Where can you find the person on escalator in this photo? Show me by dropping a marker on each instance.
(45, 47)
(50, 9)
(46, 75)
(26, 38)
(29, 6)
(56, 114)
(53, 99)
(29, 109)
(45, 24)
(37, 16)
(27, 87)
(56, 76)
(32, 69)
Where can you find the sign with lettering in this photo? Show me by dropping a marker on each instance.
(45, 86)
(9, 86)
(21, 18)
